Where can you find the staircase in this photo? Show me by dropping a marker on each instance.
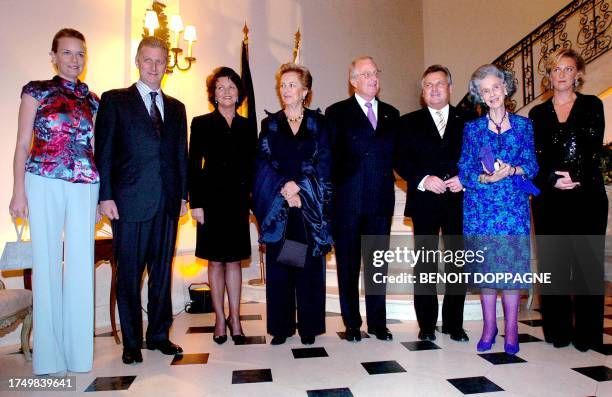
(583, 25)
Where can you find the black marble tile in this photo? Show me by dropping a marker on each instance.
(339, 392)
(187, 359)
(502, 358)
(420, 345)
(309, 352)
(251, 340)
(600, 373)
(382, 367)
(342, 336)
(332, 314)
(393, 321)
(532, 323)
(604, 349)
(526, 338)
(251, 376)
(475, 384)
(201, 330)
(249, 317)
(109, 383)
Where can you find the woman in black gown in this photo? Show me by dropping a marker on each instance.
(291, 199)
(571, 214)
(219, 192)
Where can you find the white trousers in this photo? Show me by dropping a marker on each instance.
(63, 324)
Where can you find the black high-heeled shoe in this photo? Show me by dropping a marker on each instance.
(220, 339)
(238, 339)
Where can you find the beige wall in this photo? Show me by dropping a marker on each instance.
(464, 34)
(333, 32)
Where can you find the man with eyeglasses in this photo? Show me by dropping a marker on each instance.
(427, 152)
(363, 130)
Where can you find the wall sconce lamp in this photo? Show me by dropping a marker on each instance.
(156, 24)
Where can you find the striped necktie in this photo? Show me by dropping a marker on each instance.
(440, 123)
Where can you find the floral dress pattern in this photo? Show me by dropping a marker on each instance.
(496, 216)
(63, 130)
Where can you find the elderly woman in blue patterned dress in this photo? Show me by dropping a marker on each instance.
(497, 162)
(56, 187)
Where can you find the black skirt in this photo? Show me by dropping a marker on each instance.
(224, 236)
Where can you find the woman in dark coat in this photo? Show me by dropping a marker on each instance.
(291, 198)
(571, 214)
(219, 194)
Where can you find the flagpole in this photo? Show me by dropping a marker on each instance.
(249, 105)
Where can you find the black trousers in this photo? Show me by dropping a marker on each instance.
(573, 304)
(138, 244)
(426, 235)
(348, 230)
(288, 288)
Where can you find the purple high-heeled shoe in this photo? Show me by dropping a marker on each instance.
(483, 346)
(511, 349)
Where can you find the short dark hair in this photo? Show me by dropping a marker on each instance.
(152, 42)
(217, 73)
(437, 68)
(303, 74)
(66, 32)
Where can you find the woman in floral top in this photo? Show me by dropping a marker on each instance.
(56, 187)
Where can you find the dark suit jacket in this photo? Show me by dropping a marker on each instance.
(136, 165)
(362, 158)
(420, 151)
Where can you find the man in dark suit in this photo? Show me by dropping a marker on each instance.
(428, 150)
(363, 130)
(141, 154)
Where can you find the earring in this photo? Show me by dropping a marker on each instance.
(576, 83)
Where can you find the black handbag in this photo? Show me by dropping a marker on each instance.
(293, 253)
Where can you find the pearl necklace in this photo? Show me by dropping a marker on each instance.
(295, 119)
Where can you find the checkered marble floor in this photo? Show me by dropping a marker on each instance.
(334, 367)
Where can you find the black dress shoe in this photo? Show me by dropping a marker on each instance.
(219, 339)
(166, 347)
(456, 335)
(131, 356)
(381, 333)
(278, 340)
(427, 335)
(307, 340)
(352, 334)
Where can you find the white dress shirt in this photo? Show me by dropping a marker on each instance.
(435, 118)
(362, 103)
(145, 91)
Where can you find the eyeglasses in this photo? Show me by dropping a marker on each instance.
(367, 75)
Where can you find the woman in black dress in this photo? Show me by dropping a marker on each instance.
(571, 214)
(219, 191)
(291, 199)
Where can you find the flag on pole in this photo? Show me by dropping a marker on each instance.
(247, 109)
